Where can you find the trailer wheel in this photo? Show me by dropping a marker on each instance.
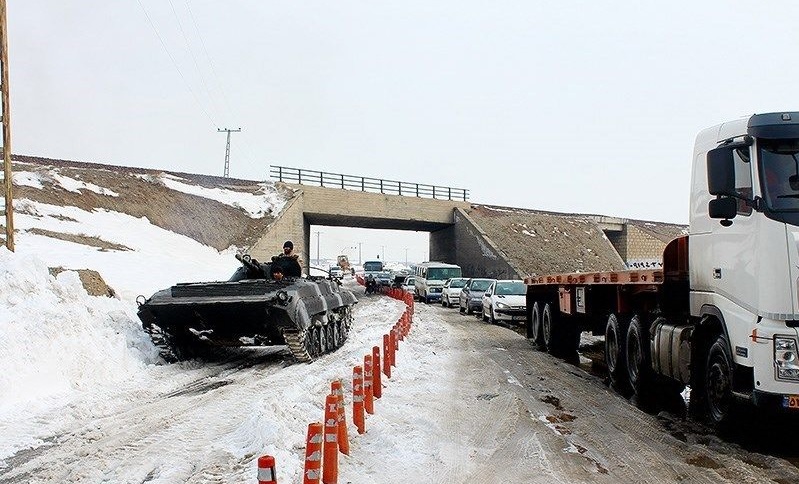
(718, 382)
(638, 358)
(550, 329)
(535, 327)
(615, 355)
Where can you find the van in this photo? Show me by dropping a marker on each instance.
(430, 277)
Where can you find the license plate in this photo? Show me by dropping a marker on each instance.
(790, 401)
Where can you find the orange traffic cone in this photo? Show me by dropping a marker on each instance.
(357, 399)
(343, 439)
(330, 445)
(387, 355)
(377, 384)
(368, 397)
(266, 470)
(313, 454)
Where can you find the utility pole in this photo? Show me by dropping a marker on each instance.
(406, 256)
(359, 253)
(227, 148)
(384, 252)
(6, 120)
(317, 248)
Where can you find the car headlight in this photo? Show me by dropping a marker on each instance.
(502, 305)
(785, 358)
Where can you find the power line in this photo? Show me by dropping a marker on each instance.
(174, 63)
(225, 100)
(191, 53)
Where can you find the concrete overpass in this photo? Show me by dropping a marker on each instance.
(486, 241)
(312, 205)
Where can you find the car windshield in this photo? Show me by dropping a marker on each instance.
(512, 288)
(442, 273)
(481, 285)
(779, 173)
(409, 281)
(457, 283)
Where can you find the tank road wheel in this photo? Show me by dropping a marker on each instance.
(336, 329)
(330, 336)
(312, 338)
(639, 359)
(718, 382)
(321, 339)
(615, 354)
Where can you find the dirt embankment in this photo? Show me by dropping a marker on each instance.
(140, 194)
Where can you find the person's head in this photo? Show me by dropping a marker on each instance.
(288, 246)
(277, 273)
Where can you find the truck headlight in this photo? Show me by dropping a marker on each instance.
(785, 358)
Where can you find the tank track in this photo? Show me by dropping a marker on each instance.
(164, 343)
(324, 339)
(296, 342)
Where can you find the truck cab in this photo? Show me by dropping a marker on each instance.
(744, 251)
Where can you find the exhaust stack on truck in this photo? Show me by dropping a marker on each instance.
(722, 314)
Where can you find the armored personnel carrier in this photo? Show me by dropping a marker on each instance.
(312, 316)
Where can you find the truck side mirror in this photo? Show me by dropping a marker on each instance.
(721, 171)
(724, 208)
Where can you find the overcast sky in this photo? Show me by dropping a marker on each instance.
(573, 106)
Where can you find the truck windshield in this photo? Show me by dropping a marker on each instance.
(442, 273)
(372, 266)
(779, 173)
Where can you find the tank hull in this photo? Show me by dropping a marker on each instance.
(311, 316)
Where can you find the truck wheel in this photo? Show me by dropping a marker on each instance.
(718, 382)
(615, 355)
(536, 328)
(639, 359)
(550, 329)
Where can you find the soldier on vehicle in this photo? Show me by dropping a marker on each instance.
(277, 273)
(287, 261)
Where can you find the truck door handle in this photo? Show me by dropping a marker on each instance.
(717, 273)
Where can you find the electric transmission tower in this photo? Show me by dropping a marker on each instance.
(227, 148)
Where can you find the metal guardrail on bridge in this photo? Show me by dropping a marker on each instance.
(365, 184)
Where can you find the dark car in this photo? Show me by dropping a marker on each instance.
(471, 296)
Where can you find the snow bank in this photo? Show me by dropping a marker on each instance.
(266, 201)
(55, 338)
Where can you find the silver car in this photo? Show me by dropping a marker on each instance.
(471, 296)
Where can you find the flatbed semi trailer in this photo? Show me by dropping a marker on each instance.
(722, 313)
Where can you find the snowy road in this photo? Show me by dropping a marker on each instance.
(468, 402)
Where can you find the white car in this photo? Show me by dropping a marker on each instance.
(505, 300)
(336, 272)
(409, 284)
(451, 291)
